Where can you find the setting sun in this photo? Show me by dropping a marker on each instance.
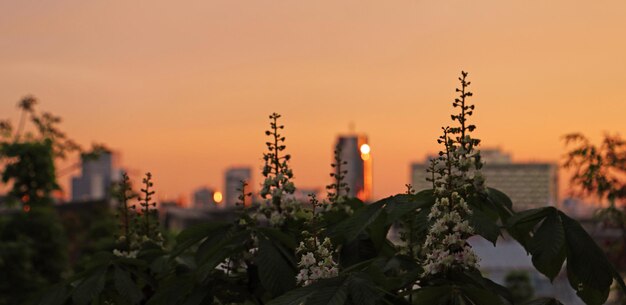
(217, 197)
(365, 149)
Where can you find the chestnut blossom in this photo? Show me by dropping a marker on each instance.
(316, 260)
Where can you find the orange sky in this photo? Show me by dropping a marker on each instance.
(184, 90)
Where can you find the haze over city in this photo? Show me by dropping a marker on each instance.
(185, 90)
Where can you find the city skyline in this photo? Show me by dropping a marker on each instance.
(184, 91)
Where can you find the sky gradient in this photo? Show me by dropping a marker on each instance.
(185, 90)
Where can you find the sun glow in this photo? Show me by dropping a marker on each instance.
(365, 149)
(217, 197)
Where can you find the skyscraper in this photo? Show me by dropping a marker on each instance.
(528, 184)
(233, 178)
(204, 198)
(355, 151)
(96, 177)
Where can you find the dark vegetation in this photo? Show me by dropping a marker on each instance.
(281, 251)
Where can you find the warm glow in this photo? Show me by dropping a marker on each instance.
(389, 67)
(365, 149)
(217, 197)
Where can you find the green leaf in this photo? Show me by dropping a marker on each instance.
(90, 288)
(274, 234)
(484, 226)
(362, 290)
(210, 257)
(126, 287)
(334, 291)
(421, 222)
(480, 296)
(197, 297)
(494, 204)
(547, 234)
(548, 246)
(456, 294)
(435, 295)
(331, 295)
(398, 206)
(500, 199)
(544, 301)
(377, 231)
(172, 290)
(194, 234)
(356, 224)
(294, 297)
(357, 251)
(276, 271)
(56, 295)
(588, 270)
(474, 277)
(301, 295)
(521, 225)
(215, 242)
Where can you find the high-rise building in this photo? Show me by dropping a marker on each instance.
(528, 184)
(355, 151)
(232, 183)
(205, 198)
(97, 175)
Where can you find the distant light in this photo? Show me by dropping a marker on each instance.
(217, 197)
(365, 149)
(26, 208)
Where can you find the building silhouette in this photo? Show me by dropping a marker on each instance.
(232, 183)
(203, 198)
(528, 184)
(356, 152)
(97, 175)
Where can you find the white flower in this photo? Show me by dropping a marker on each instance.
(253, 251)
(434, 212)
(452, 217)
(463, 205)
(303, 276)
(438, 227)
(316, 273)
(439, 190)
(451, 239)
(316, 261)
(463, 227)
(322, 251)
(333, 271)
(130, 254)
(307, 260)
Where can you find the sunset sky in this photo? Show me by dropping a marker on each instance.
(184, 89)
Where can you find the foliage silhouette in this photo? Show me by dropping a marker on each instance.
(259, 258)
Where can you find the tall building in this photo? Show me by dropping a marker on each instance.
(205, 198)
(355, 151)
(233, 178)
(528, 184)
(96, 178)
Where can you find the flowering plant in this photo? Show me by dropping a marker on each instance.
(289, 252)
